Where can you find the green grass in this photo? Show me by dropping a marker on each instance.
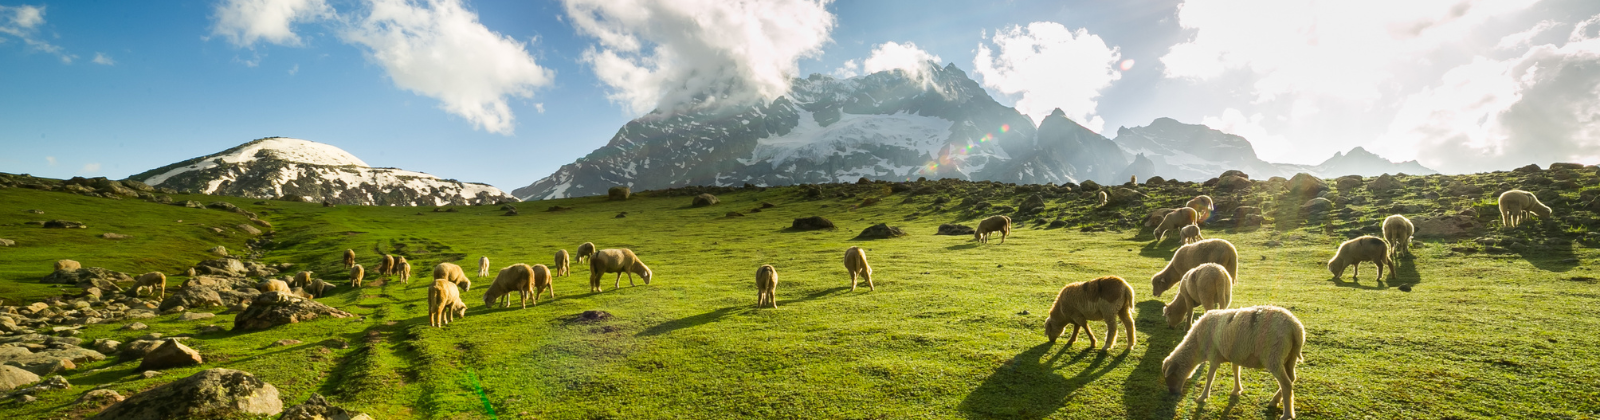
(1481, 335)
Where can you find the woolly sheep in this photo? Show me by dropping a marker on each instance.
(385, 265)
(154, 281)
(855, 261)
(1156, 216)
(1107, 298)
(1203, 206)
(516, 278)
(483, 266)
(444, 301)
(452, 273)
(766, 286)
(1190, 234)
(273, 285)
(1000, 224)
(300, 279)
(1104, 199)
(1260, 337)
(1192, 255)
(1364, 249)
(585, 251)
(563, 265)
(318, 288)
(356, 274)
(349, 258)
(620, 261)
(1207, 286)
(405, 271)
(1175, 220)
(1515, 206)
(1397, 230)
(542, 281)
(68, 265)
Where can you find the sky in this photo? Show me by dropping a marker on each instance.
(504, 92)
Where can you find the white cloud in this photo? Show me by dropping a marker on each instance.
(896, 56)
(294, 70)
(850, 69)
(245, 22)
(1541, 107)
(102, 59)
(51, 160)
(440, 50)
(1051, 67)
(1525, 37)
(1268, 146)
(89, 168)
(539, 107)
(665, 54)
(23, 22)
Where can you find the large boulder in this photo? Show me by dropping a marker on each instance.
(1306, 185)
(881, 231)
(273, 308)
(1348, 182)
(170, 354)
(318, 408)
(206, 292)
(619, 193)
(212, 393)
(230, 267)
(1233, 182)
(812, 223)
(1032, 204)
(87, 277)
(12, 377)
(703, 200)
(1384, 182)
(1316, 206)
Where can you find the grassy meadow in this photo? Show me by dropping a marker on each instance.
(954, 329)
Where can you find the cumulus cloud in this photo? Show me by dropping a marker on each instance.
(89, 168)
(850, 68)
(1525, 37)
(50, 160)
(104, 60)
(896, 56)
(245, 22)
(1268, 146)
(1540, 107)
(665, 54)
(1051, 67)
(440, 50)
(23, 23)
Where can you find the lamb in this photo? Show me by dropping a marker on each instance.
(585, 250)
(1397, 230)
(1358, 250)
(1515, 206)
(405, 271)
(349, 258)
(1107, 298)
(154, 281)
(563, 266)
(1000, 224)
(1202, 205)
(444, 300)
(1207, 286)
(855, 261)
(300, 279)
(1189, 256)
(273, 285)
(452, 273)
(68, 265)
(620, 261)
(356, 273)
(1190, 234)
(516, 278)
(766, 286)
(483, 266)
(1259, 337)
(1175, 220)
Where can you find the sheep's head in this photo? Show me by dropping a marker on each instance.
(1162, 281)
(1336, 267)
(647, 274)
(1540, 209)
(1175, 312)
(1053, 327)
(1175, 372)
(460, 308)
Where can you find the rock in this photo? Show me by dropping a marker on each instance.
(1251, 220)
(767, 205)
(618, 193)
(170, 354)
(137, 326)
(109, 235)
(1458, 188)
(64, 224)
(881, 231)
(285, 342)
(703, 200)
(592, 316)
(248, 229)
(191, 316)
(1316, 205)
(44, 366)
(812, 223)
(150, 374)
(1155, 180)
(12, 377)
(1032, 204)
(1531, 168)
(227, 267)
(951, 229)
(191, 204)
(1305, 185)
(212, 393)
(89, 277)
(106, 346)
(1234, 172)
(54, 383)
(1567, 166)
(1348, 182)
(317, 408)
(219, 250)
(211, 329)
(272, 309)
(1231, 182)
(99, 398)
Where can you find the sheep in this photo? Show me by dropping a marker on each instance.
(1104, 199)
(1175, 220)
(542, 281)
(405, 271)
(620, 261)
(300, 279)
(1397, 230)
(563, 264)
(1515, 206)
(273, 285)
(483, 266)
(1358, 250)
(585, 250)
(452, 273)
(318, 288)
(349, 258)
(356, 273)
(1190, 234)
(153, 281)
(1156, 216)
(855, 261)
(68, 265)
(1107, 298)
(1207, 286)
(516, 278)
(444, 301)
(1000, 224)
(1189, 256)
(1202, 205)
(1259, 337)
(385, 265)
(766, 286)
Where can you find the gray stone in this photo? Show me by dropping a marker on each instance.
(212, 393)
(272, 309)
(191, 316)
(100, 397)
(171, 354)
(318, 408)
(12, 377)
(219, 250)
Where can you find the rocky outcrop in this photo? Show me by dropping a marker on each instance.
(170, 354)
(12, 377)
(318, 408)
(273, 308)
(212, 393)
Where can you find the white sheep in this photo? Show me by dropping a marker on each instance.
(386, 266)
(1207, 286)
(543, 280)
(1203, 206)
(855, 262)
(766, 286)
(403, 268)
(1192, 255)
(1190, 234)
(454, 274)
(153, 281)
(1156, 216)
(1397, 230)
(1515, 206)
(1260, 337)
(68, 265)
(515, 278)
(273, 285)
(563, 264)
(1104, 199)
(300, 279)
(1364, 249)
(444, 302)
(1107, 298)
(1000, 224)
(1175, 220)
(620, 261)
(349, 258)
(356, 275)
(585, 250)
(483, 266)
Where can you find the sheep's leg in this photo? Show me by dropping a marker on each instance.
(772, 297)
(630, 279)
(853, 281)
(1003, 236)
(618, 284)
(1285, 393)
(1111, 333)
(1090, 333)
(1238, 389)
(1211, 373)
(1074, 336)
(1127, 322)
(869, 282)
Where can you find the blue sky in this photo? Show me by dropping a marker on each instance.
(112, 88)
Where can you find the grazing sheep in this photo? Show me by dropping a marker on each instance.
(153, 281)
(1156, 216)
(385, 266)
(766, 286)
(1208, 286)
(1259, 337)
(349, 258)
(620, 261)
(405, 271)
(273, 285)
(855, 261)
(1202, 205)
(1397, 230)
(563, 264)
(516, 278)
(1000, 224)
(356, 274)
(1192, 255)
(1190, 234)
(318, 288)
(452, 273)
(542, 281)
(1515, 206)
(1107, 298)
(444, 301)
(300, 279)
(1358, 250)
(1175, 220)
(68, 265)
(483, 266)
(585, 250)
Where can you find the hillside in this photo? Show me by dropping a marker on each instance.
(1484, 322)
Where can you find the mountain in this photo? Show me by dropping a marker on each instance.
(278, 167)
(1361, 162)
(1195, 152)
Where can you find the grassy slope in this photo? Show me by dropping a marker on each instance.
(942, 337)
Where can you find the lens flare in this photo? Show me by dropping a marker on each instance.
(1127, 64)
(1005, 127)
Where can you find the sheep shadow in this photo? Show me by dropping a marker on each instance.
(1028, 385)
(1162, 250)
(1144, 394)
(693, 321)
(819, 294)
(1405, 272)
(1555, 258)
(968, 245)
(1355, 283)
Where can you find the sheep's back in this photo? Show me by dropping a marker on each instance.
(612, 260)
(1250, 337)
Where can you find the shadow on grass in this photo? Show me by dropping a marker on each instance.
(1405, 272)
(694, 321)
(1556, 258)
(1029, 386)
(819, 294)
(958, 247)
(1162, 250)
(1144, 396)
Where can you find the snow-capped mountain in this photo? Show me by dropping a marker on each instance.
(1194, 152)
(278, 167)
(1361, 162)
